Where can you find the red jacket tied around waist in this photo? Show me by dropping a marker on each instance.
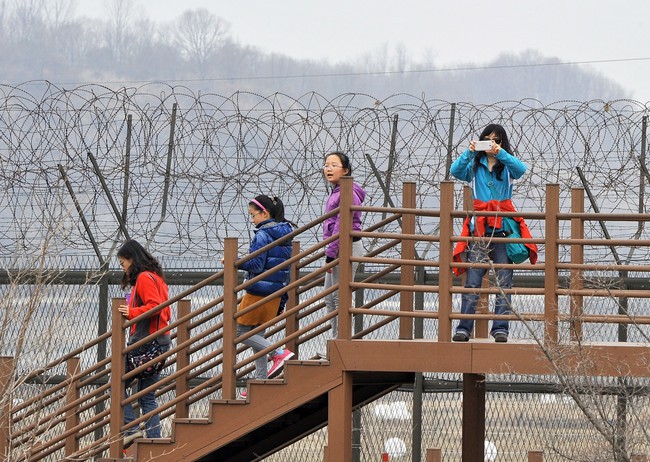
(482, 223)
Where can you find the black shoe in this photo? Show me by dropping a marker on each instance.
(500, 337)
(460, 337)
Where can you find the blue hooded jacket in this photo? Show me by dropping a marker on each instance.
(267, 232)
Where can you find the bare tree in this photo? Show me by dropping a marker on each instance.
(401, 58)
(198, 35)
(618, 432)
(119, 30)
(27, 21)
(59, 12)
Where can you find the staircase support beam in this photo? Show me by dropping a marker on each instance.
(473, 417)
(339, 427)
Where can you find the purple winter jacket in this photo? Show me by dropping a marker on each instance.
(332, 225)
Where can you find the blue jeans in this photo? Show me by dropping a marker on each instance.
(481, 252)
(147, 404)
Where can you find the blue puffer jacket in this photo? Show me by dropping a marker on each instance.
(267, 232)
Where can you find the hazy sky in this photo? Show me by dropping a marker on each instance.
(613, 32)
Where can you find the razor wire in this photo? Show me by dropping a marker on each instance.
(180, 167)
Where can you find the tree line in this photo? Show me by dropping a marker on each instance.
(45, 40)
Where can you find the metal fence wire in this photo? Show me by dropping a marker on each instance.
(83, 168)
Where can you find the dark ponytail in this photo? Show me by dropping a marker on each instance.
(274, 206)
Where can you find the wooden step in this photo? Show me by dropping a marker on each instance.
(231, 420)
(275, 412)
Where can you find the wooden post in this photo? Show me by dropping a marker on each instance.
(446, 279)
(118, 389)
(535, 456)
(6, 373)
(577, 257)
(434, 455)
(292, 323)
(183, 334)
(339, 421)
(473, 417)
(72, 414)
(551, 278)
(345, 265)
(407, 275)
(229, 382)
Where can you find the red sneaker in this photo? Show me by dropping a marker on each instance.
(278, 363)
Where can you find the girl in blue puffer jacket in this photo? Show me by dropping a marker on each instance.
(267, 214)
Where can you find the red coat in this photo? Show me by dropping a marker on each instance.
(481, 223)
(150, 291)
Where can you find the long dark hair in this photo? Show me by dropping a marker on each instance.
(505, 145)
(141, 260)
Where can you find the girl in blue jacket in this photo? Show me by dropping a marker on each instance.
(491, 174)
(267, 214)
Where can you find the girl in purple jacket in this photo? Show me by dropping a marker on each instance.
(336, 166)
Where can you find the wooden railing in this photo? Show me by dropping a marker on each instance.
(66, 419)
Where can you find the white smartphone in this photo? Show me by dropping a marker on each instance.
(482, 145)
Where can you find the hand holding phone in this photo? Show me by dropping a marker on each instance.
(483, 145)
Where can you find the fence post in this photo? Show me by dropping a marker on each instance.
(551, 278)
(535, 456)
(407, 276)
(72, 415)
(118, 338)
(445, 279)
(183, 334)
(102, 327)
(6, 374)
(450, 139)
(229, 382)
(357, 422)
(418, 383)
(577, 257)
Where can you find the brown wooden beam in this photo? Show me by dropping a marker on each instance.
(473, 417)
(486, 356)
(339, 425)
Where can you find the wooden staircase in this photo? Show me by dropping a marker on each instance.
(276, 413)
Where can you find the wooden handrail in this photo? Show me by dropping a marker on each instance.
(206, 335)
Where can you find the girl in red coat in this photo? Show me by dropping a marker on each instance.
(144, 275)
